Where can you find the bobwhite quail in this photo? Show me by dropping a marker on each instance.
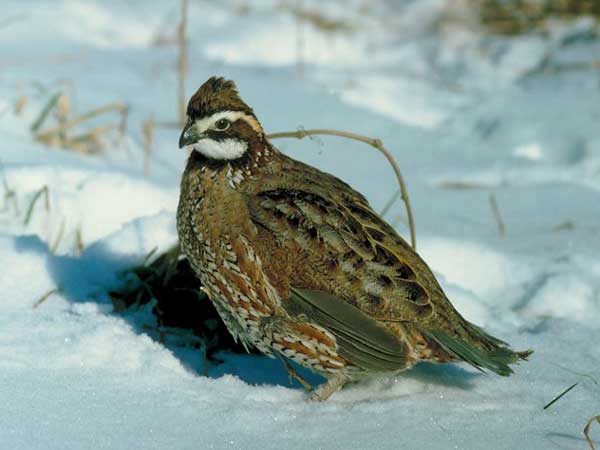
(299, 265)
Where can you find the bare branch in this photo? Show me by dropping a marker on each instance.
(376, 143)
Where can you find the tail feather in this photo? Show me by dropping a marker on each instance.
(497, 360)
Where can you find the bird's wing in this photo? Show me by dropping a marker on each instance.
(333, 258)
(360, 339)
(326, 237)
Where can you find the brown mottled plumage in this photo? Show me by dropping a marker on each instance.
(298, 264)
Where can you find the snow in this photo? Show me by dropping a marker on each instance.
(466, 114)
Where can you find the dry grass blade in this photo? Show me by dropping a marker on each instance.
(115, 106)
(20, 104)
(497, 216)
(45, 297)
(38, 194)
(388, 205)
(580, 374)
(461, 186)
(521, 16)
(59, 236)
(586, 431)
(79, 246)
(91, 142)
(559, 396)
(179, 299)
(148, 136)
(41, 118)
(376, 143)
(182, 61)
(9, 193)
(123, 122)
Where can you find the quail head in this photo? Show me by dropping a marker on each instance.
(299, 265)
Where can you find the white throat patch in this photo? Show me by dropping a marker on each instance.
(226, 149)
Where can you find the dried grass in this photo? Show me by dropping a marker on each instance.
(513, 17)
(64, 133)
(586, 431)
(497, 216)
(182, 61)
(148, 126)
(168, 280)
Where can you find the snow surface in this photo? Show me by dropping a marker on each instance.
(467, 115)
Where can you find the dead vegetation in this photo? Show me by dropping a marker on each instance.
(511, 17)
(317, 19)
(586, 431)
(65, 132)
(168, 281)
(182, 61)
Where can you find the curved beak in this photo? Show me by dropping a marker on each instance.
(189, 135)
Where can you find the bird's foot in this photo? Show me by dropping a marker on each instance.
(325, 391)
(293, 374)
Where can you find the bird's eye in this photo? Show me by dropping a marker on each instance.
(222, 125)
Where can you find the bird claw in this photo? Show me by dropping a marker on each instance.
(293, 374)
(332, 385)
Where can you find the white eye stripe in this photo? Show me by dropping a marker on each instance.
(208, 123)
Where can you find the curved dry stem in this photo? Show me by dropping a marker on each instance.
(586, 431)
(376, 143)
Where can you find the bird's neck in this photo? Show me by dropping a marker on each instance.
(259, 152)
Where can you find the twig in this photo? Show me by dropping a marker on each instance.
(497, 216)
(45, 297)
(38, 194)
(378, 144)
(182, 62)
(559, 396)
(586, 431)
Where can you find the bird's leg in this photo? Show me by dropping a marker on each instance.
(324, 391)
(293, 374)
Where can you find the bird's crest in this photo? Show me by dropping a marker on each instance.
(215, 95)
